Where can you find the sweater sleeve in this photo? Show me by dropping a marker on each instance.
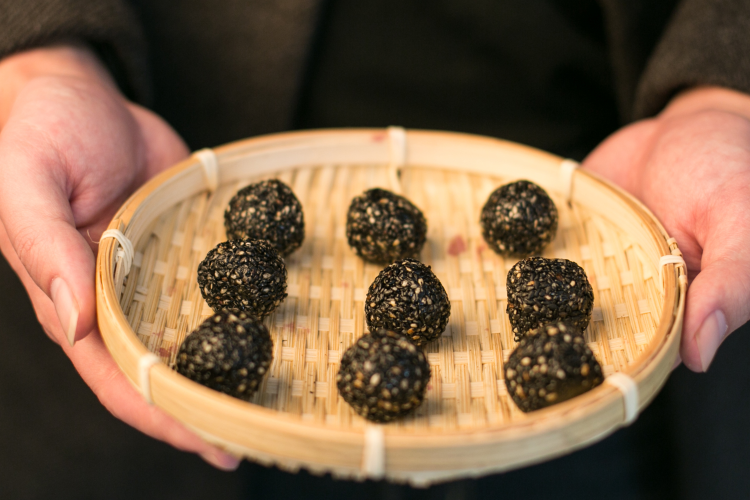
(707, 42)
(108, 26)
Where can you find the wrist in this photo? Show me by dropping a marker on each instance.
(68, 60)
(699, 99)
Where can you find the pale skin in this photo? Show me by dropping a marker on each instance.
(72, 148)
(691, 166)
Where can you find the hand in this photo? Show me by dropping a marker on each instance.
(71, 150)
(691, 166)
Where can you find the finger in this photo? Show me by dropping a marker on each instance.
(98, 369)
(38, 220)
(221, 460)
(718, 300)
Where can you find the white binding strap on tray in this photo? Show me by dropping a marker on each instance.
(210, 164)
(397, 141)
(567, 168)
(629, 390)
(373, 455)
(670, 259)
(144, 369)
(127, 253)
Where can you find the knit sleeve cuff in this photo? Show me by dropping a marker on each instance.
(108, 26)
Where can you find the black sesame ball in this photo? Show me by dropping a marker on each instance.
(382, 227)
(408, 298)
(383, 376)
(550, 365)
(229, 352)
(544, 290)
(248, 275)
(519, 219)
(267, 210)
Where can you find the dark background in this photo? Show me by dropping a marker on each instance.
(532, 75)
(58, 442)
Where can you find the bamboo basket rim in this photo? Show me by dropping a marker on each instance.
(669, 325)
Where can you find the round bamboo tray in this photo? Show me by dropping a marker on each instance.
(468, 425)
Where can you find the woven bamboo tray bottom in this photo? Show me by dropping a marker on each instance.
(323, 314)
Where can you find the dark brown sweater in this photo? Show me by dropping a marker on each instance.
(559, 74)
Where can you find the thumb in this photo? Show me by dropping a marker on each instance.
(718, 302)
(39, 221)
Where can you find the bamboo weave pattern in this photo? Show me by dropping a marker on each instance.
(324, 313)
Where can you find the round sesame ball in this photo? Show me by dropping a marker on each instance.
(550, 365)
(519, 219)
(229, 352)
(266, 210)
(248, 275)
(408, 298)
(543, 290)
(383, 376)
(382, 227)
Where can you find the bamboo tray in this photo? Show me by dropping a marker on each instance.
(468, 425)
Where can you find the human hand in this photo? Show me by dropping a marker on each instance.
(691, 166)
(72, 149)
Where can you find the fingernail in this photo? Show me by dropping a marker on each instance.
(66, 308)
(709, 337)
(221, 460)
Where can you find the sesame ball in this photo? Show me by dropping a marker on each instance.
(229, 352)
(383, 376)
(519, 219)
(408, 298)
(248, 275)
(266, 210)
(382, 227)
(550, 365)
(543, 290)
